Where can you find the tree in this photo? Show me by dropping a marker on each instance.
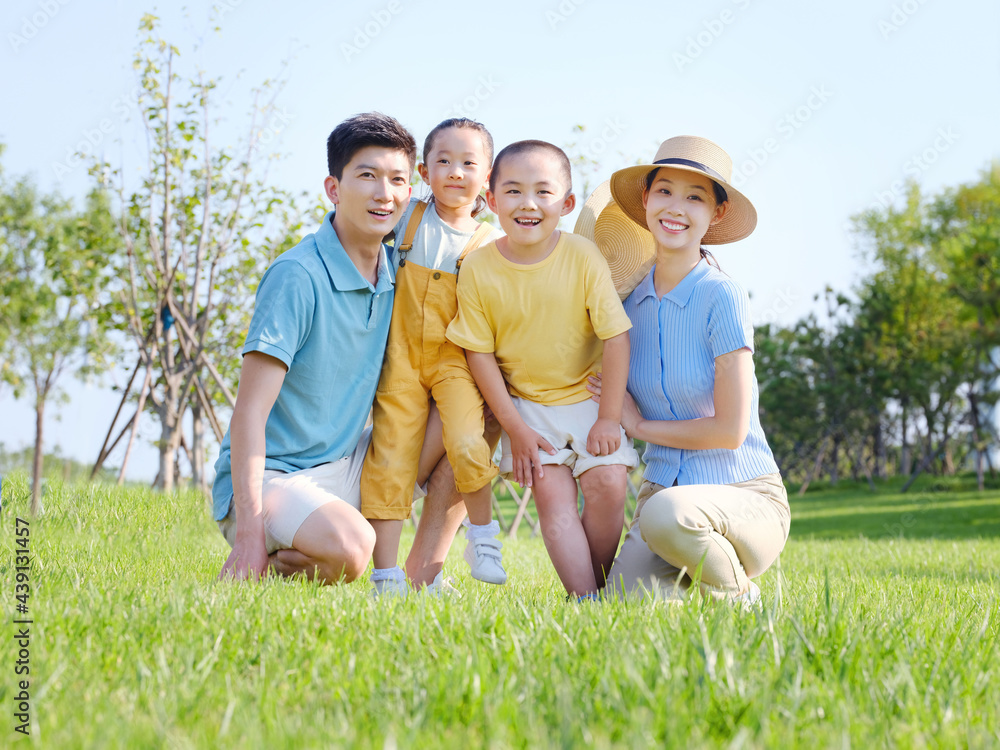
(967, 223)
(52, 316)
(198, 232)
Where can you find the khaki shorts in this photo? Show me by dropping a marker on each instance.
(566, 427)
(289, 498)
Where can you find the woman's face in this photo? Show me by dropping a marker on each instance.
(680, 207)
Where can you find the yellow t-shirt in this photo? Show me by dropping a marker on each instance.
(545, 322)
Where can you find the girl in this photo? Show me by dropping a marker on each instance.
(432, 238)
(711, 496)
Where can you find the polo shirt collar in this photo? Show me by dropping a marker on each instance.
(680, 294)
(343, 273)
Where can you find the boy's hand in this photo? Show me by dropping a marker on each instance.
(524, 446)
(605, 437)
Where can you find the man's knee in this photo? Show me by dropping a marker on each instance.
(353, 552)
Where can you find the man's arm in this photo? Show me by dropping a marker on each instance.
(260, 381)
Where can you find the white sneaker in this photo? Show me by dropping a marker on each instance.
(390, 588)
(484, 557)
(441, 587)
(749, 598)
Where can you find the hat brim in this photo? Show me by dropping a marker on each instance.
(629, 251)
(628, 185)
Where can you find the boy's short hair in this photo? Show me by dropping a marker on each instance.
(520, 147)
(361, 131)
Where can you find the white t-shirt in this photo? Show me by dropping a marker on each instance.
(435, 245)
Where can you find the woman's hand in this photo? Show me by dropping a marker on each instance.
(630, 416)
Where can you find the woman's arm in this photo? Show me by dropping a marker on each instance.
(727, 428)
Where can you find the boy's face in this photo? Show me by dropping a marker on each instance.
(530, 197)
(372, 192)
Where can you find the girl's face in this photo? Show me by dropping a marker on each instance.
(680, 207)
(457, 167)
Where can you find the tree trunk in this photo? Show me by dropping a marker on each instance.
(198, 447)
(879, 449)
(834, 461)
(904, 456)
(36, 467)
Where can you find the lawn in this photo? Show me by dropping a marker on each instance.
(880, 629)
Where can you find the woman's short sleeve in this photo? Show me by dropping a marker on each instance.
(729, 326)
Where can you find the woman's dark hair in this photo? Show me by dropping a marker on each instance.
(463, 122)
(721, 197)
(361, 131)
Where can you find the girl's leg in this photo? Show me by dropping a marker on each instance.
(733, 533)
(562, 529)
(603, 515)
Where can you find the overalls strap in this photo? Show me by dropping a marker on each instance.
(411, 230)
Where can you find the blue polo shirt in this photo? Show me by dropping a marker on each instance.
(317, 314)
(675, 340)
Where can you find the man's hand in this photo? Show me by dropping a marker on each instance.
(605, 437)
(246, 561)
(524, 446)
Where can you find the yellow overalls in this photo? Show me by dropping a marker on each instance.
(420, 364)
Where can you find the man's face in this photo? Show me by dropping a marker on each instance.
(372, 192)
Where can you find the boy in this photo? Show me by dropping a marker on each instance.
(286, 492)
(535, 311)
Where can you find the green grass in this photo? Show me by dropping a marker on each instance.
(883, 637)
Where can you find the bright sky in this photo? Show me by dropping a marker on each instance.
(826, 108)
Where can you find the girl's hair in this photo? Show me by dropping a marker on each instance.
(463, 122)
(720, 197)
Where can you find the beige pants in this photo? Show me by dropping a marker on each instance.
(733, 532)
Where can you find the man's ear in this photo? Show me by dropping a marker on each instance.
(331, 186)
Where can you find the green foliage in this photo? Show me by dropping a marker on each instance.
(880, 640)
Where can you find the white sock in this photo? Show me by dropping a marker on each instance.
(475, 532)
(394, 573)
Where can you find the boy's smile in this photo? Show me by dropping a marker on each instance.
(372, 192)
(530, 198)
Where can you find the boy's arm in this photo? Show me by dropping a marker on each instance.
(605, 436)
(524, 441)
(261, 377)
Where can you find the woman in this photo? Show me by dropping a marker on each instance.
(712, 504)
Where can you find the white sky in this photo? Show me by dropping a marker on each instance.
(824, 107)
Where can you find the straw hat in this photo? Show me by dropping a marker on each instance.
(691, 154)
(630, 252)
